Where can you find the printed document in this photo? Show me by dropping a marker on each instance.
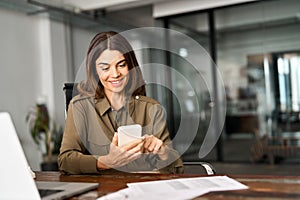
(178, 189)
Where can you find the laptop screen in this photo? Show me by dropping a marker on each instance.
(16, 181)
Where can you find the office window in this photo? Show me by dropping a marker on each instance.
(260, 81)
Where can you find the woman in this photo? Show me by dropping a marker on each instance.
(113, 95)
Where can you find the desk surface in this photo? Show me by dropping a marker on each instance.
(260, 187)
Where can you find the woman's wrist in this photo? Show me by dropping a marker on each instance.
(100, 163)
(164, 152)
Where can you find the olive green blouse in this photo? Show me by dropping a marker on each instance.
(91, 124)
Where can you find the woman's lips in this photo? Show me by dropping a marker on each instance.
(116, 83)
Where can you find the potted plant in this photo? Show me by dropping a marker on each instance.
(45, 134)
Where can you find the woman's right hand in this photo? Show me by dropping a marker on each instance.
(120, 156)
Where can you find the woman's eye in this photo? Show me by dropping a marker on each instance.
(104, 68)
(122, 65)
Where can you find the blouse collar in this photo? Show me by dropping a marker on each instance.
(103, 105)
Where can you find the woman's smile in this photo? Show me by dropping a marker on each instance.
(116, 83)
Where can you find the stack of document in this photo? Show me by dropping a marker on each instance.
(175, 189)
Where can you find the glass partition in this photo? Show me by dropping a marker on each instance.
(196, 27)
(261, 84)
(257, 48)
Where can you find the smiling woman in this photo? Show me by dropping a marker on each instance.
(113, 95)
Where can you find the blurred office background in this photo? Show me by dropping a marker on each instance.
(255, 46)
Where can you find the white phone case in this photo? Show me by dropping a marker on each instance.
(129, 133)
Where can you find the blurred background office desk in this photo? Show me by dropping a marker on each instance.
(260, 186)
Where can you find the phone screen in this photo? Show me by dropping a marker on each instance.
(129, 133)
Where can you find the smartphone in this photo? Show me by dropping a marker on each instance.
(129, 133)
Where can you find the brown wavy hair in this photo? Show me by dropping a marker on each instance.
(112, 41)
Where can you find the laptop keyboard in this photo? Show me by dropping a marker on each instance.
(47, 192)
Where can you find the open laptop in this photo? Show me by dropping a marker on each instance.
(16, 180)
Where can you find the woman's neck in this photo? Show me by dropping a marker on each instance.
(116, 100)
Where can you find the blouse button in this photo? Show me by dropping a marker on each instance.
(137, 97)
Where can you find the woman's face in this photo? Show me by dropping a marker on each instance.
(113, 71)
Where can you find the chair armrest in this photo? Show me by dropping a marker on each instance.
(208, 168)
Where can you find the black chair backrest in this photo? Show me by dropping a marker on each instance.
(70, 90)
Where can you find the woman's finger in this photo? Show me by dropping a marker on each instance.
(132, 144)
(115, 139)
(137, 149)
(157, 147)
(148, 140)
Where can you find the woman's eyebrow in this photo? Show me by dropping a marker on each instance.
(121, 61)
(102, 63)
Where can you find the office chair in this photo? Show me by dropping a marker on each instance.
(70, 90)
(191, 167)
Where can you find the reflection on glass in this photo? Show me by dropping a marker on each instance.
(196, 101)
(295, 74)
(283, 76)
(289, 83)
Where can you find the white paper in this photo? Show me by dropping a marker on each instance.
(136, 194)
(176, 189)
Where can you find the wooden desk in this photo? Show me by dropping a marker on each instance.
(260, 187)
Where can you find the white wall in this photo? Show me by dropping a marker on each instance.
(61, 63)
(19, 73)
(33, 63)
(80, 40)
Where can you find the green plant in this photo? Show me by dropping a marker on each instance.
(42, 131)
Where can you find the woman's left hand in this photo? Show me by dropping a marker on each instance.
(154, 145)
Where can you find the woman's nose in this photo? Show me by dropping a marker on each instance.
(115, 72)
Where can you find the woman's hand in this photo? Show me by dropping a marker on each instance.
(120, 156)
(156, 146)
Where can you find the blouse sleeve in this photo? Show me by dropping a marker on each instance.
(174, 163)
(73, 157)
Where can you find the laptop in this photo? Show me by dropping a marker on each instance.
(16, 181)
